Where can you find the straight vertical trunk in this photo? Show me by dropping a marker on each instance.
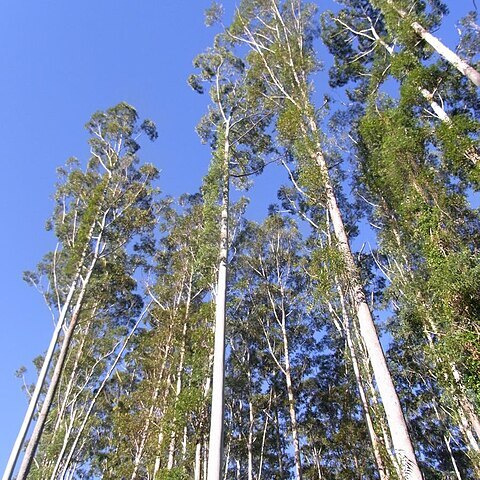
(250, 422)
(178, 387)
(163, 405)
(215, 447)
(178, 390)
(154, 405)
(201, 437)
(198, 456)
(262, 450)
(279, 444)
(291, 407)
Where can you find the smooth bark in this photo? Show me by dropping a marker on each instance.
(396, 421)
(463, 67)
(215, 446)
(52, 387)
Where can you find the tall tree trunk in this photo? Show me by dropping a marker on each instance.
(396, 421)
(42, 417)
(452, 458)
(215, 447)
(71, 381)
(378, 410)
(264, 435)
(296, 91)
(42, 375)
(201, 436)
(291, 404)
(446, 439)
(163, 407)
(53, 343)
(197, 469)
(153, 406)
(251, 422)
(278, 441)
(205, 459)
(374, 440)
(178, 387)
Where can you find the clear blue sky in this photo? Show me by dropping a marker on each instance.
(59, 62)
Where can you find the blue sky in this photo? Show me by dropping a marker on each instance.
(60, 62)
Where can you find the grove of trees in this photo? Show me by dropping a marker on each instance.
(339, 338)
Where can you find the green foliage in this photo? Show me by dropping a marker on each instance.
(289, 296)
(458, 137)
(326, 263)
(213, 14)
(173, 474)
(86, 227)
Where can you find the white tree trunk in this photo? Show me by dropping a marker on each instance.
(179, 383)
(50, 351)
(265, 426)
(251, 422)
(42, 416)
(391, 403)
(215, 447)
(471, 154)
(278, 440)
(162, 406)
(374, 440)
(463, 67)
(197, 470)
(291, 405)
(73, 374)
(38, 386)
(178, 390)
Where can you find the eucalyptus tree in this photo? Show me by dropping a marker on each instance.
(430, 236)
(366, 53)
(408, 139)
(282, 59)
(336, 316)
(406, 18)
(98, 214)
(234, 126)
